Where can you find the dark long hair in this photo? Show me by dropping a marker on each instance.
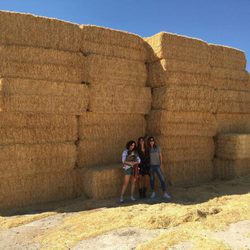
(128, 144)
(148, 142)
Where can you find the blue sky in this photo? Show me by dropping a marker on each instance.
(224, 22)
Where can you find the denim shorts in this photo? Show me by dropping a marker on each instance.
(128, 171)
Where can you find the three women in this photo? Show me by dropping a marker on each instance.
(149, 160)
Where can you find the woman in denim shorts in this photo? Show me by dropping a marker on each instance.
(129, 159)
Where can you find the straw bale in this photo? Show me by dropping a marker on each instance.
(116, 71)
(158, 77)
(184, 98)
(104, 126)
(30, 30)
(181, 123)
(183, 142)
(45, 104)
(37, 135)
(103, 181)
(234, 95)
(185, 154)
(173, 46)
(233, 123)
(229, 169)
(231, 74)
(99, 152)
(49, 72)
(233, 146)
(36, 121)
(105, 35)
(226, 57)
(26, 95)
(188, 173)
(37, 166)
(230, 84)
(33, 189)
(106, 49)
(233, 107)
(33, 152)
(120, 99)
(22, 54)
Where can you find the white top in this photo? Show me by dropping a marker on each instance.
(124, 156)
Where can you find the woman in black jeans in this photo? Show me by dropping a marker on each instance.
(155, 168)
(143, 153)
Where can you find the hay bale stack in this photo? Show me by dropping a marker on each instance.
(232, 156)
(119, 99)
(184, 100)
(41, 93)
(231, 80)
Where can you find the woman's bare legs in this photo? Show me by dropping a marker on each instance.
(125, 185)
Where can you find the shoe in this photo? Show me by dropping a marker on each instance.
(144, 192)
(153, 195)
(121, 200)
(166, 196)
(132, 198)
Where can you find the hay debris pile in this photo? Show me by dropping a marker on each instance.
(183, 105)
(41, 72)
(119, 100)
(232, 155)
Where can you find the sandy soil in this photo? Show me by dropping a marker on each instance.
(213, 216)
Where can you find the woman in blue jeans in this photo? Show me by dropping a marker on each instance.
(155, 168)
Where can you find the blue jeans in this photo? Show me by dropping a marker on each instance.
(156, 169)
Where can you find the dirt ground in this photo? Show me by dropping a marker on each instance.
(212, 216)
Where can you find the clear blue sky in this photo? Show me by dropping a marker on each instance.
(224, 22)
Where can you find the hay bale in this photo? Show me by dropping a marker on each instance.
(24, 95)
(104, 126)
(113, 51)
(120, 99)
(37, 166)
(233, 146)
(115, 71)
(103, 181)
(49, 72)
(30, 30)
(185, 98)
(183, 142)
(27, 190)
(231, 74)
(39, 121)
(100, 152)
(226, 57)
(23, 54)
(157, 77)
(37, 135)
(229, 169)
(188, 173)
(114, 43)
(33, 152)
(181, 123)
(173, 46)
(97, 34)
(230, 84)
(233, 123)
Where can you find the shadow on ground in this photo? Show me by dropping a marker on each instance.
(182, 196)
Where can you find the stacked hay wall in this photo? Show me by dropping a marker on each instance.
(184, 100)
(41, 95)
(119, 100)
